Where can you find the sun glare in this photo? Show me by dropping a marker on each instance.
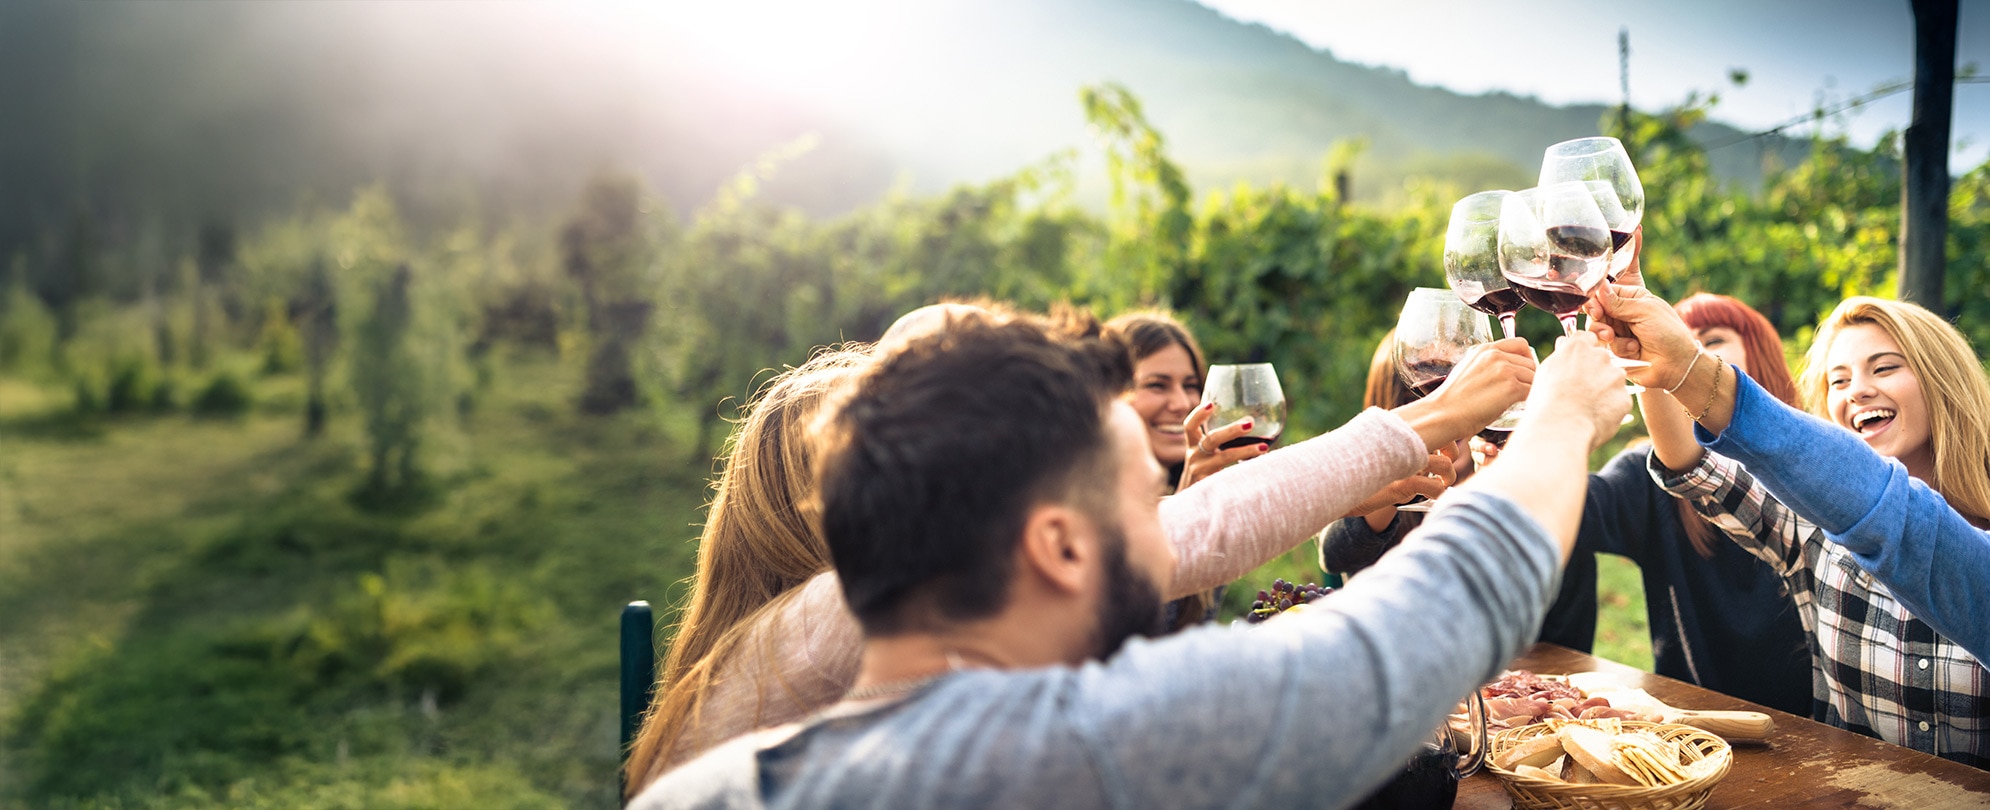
(798, 44)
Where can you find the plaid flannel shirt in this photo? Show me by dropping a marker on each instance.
(1875, 669)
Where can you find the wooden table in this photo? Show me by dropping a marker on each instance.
(1805, 764)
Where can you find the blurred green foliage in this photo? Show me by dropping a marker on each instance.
(199, 614)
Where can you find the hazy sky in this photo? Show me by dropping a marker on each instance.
(1795, 51)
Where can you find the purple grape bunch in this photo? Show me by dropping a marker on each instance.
(1282, 597)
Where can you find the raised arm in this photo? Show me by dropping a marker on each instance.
(1329, 701)
(1245, 515)
(1898, 529)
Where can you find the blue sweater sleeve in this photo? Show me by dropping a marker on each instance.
(1898, 529)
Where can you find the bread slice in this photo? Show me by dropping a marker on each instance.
(1538, 773)
(1535, 752)
(1574, 774)
(1596, 751)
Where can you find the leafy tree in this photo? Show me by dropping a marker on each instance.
(609, 249)
(214, 258)
(1150, 197)
(317, 307)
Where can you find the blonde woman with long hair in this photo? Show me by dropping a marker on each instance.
(1872, 506)
(798, 651)
(756, 549)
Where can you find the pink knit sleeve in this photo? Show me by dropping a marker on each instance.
(802, 655)
(804, 652)
(1238, 519)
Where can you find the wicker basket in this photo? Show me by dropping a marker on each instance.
(1530, 792)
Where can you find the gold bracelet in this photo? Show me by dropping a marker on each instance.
(1714, 393)
(1689, 373)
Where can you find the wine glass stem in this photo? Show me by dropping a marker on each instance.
(1506, 323)
(1568, 324)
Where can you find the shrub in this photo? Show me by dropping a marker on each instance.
(225, 395)
(132, 386)
(165, 396)
(89, 399)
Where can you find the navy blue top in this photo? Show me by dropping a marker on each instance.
(1725, 623)
(1349, 545)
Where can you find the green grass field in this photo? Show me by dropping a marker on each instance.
(194, 614)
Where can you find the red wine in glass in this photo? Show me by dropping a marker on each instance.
(1428, 375)
(1503, 304)
(1243, 441)
(1619, 240)
(1499, 303)
(1560, 301)
(1495, 437)
(1581, 242)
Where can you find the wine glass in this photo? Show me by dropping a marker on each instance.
(1554, 247)
(1246, 390)
(1602, 160)
(1471, 266)
(1471, 258)
(1432, 334)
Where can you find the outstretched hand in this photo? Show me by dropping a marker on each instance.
(1486, 381)
(1636, 324)
(1578, 386)
(1436, 476)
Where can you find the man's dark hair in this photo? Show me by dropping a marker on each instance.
(933, 460)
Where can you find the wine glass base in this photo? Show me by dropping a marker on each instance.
(1419, 506)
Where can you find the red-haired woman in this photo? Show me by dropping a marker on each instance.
(1719, 617)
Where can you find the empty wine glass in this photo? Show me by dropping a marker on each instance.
(1433, 332)
(1602, 160)
(1246, 390)
(1471, 258)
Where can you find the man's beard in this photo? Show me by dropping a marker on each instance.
(1131, 603)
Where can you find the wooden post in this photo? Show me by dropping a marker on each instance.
(1924, 192)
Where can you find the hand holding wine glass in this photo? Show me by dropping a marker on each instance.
(1635, 323)
(1379, 509)
(1246, 392)
(1210, 451)
(1436, 339)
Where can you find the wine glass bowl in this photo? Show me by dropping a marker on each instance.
(1554, 246)
(1433, 332)
(1604, 160)
(1471, 258)
(1246, 390)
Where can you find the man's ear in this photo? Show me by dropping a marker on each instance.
(1059, 545)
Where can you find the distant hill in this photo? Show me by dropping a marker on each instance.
(169, 113)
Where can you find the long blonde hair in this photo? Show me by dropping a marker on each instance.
(1952, 384)
(757, 548)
